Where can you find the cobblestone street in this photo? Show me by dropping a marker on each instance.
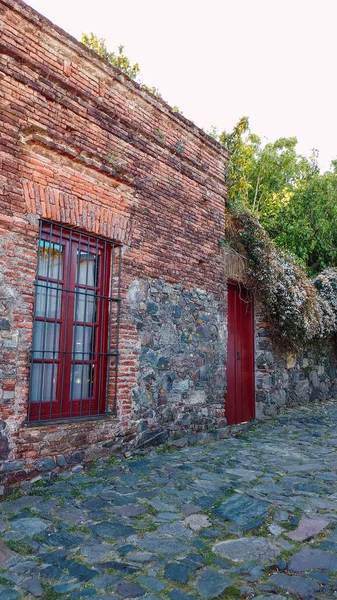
(248, 516)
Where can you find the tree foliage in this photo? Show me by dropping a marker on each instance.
(295, 203)
(119, 59)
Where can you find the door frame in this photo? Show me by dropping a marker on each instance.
(237, 285)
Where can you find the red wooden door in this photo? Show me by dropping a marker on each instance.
(240, 394)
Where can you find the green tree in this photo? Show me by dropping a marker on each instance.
(119, 59)
(295, 203)
(307, 225)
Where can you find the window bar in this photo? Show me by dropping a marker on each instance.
(75, 365)
(117, 324)
(45, 319)
(65, 323)
(95, 361)
(102, 314)
(72, 323)
(34, 319)
(110, 325)
(60, 259)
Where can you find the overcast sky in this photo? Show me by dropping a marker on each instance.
(217, 60)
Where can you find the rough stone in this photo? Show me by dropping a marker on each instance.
(197, 522)
(163, 545)
(130, 590)
(112, 530)
(32, 586)
(176, 594)
(179, 573)
(79, 571)
(313, 559)
(211, 583)
(275, 529)
(6, 555)
(245, 549)
(242, 509)
(132, 510)
(305, 588)
(309, 527)
(9, 594)
(152, 583)
(29, 527)
(270, 597)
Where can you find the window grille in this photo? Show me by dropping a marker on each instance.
(74, 356)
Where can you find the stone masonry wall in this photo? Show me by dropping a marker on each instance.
(181, 376)
(83, 145)
(289, 378)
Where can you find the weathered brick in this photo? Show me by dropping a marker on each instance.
(85, 146)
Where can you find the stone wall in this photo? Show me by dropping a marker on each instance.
(290, 378)
(181, 377)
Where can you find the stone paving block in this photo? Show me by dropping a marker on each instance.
(130, 590)
(95, 552)
(309, 527)
(6, 555)
(103, 582)
(32, 586)
(131, 510)
(163, 545)
(87, 593)
(305, 588)
(313, 559)
(176, 594)
(242, 509)
(152, 583)
(270, 597)
(197, 522)
(8, 594)
(176, 530)
(245, 474)
(111, 530)
(79, 571)
(121, 567)
(244, 549)
(212, 583)
(179, 573)
(63, 539)
(29, 527)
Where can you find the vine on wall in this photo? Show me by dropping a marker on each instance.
(299, 309)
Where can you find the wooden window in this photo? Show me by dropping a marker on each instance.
(76, 317)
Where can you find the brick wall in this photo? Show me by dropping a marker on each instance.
(83, 145)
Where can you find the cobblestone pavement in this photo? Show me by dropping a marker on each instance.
(249, 516)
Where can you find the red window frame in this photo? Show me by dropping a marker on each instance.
(61, 405)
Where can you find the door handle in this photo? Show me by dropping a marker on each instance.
(238, 357)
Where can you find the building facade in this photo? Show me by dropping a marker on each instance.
(113, 284)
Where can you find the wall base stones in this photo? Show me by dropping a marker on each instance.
(290, 378)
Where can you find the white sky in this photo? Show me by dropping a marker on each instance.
(217, 60)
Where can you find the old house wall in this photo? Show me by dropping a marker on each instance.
(83, 145)
(284, 377)
(290, 378)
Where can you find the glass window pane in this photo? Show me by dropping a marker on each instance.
(82, 381)
(43, 382)
(50, 260)
(46, 339)
(48, 300)
(83, 342)
(87, 268)
(85, 306)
